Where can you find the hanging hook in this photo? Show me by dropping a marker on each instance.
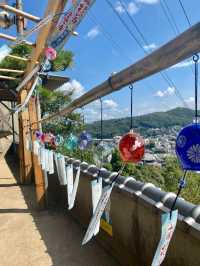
(131, 89)
(195, 60)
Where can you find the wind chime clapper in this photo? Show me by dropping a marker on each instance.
(188, 142)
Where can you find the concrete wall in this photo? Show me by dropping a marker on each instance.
(136, 211)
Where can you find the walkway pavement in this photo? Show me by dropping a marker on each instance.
(32, 238)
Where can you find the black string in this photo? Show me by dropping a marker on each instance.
(196, 59)
(131, 123)
(101, 132)
(181, 186)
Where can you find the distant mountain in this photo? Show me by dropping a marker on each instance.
(175, 117)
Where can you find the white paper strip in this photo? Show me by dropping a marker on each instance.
(96, 195)
(46, 160)
(74, 192)
(45, 179)
(43, 157)
(70, 182)
(63, 174)
(168, 227)
(51, 163)
(61, 169)
(36, 146)
(39, 154)
(98, 213)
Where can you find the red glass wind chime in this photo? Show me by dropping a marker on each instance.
(131, 145)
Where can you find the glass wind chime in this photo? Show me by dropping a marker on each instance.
(131, 145)
(103, 152)
(188, 141)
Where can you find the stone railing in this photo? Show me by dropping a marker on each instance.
(136, 209)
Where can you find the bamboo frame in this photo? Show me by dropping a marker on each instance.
(7, 78)
(20, 12)
(11, 70)
(13, 39)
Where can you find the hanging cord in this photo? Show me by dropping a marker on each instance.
(131, 122)
(101, 128)
(181, 185)
(118, 174)
(195, 60)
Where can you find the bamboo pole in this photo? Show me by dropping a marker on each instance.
(13, 39)
(175, 51)
(18, 57)
(21, 58)
(11, 70)
(19, 12)
(7, 78)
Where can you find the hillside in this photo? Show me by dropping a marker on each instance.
(175, 117)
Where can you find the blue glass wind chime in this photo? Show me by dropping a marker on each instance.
(188, 141)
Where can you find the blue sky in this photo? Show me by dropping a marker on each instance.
(96, 57)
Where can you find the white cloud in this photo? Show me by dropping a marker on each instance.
(93, 33)
(168, 92)
(73, 87)
(150, 47)
(148, 2)
(131, 7)
(183, 64)
(110, 110)
(119, 8)
(110, 104)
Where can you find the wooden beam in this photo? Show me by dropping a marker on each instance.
(175, 51)
(11, 70)
(19, 12)
(13, 39)
(7, 78)
(54, 7)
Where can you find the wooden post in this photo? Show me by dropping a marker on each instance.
(54, 6)
(20, 19)
(38, 173)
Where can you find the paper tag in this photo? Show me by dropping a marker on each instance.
(42, 160)
(51, 163)
(45, 179)
(168, 227)
(70, 182)
(96, 195)
(74, 192)
(46, 160)
(98, 213)
(36, 147)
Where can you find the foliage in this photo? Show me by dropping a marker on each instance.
(64, 60)
(53, 101)
(113, 127)
(165, 177)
